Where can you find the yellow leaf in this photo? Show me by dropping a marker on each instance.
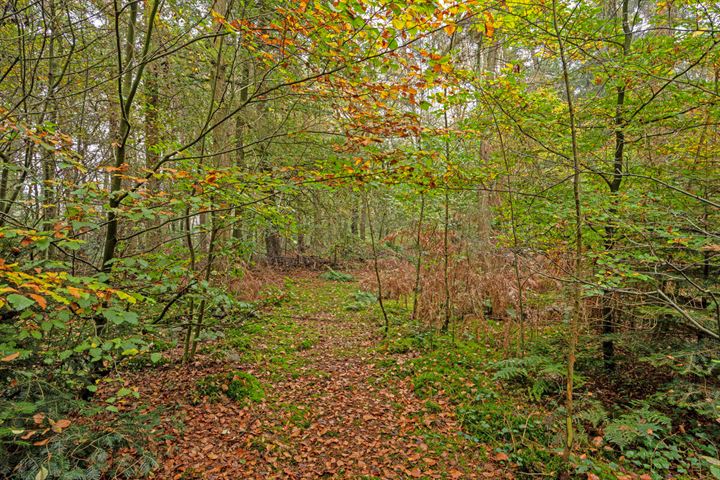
(450, 28)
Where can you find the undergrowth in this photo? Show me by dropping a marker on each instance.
(237, 386)
(516, 405)
(336, 276)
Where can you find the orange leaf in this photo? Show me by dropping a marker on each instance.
(489, 25)
(41, 442)
(450, 28)
(11, 357)
(40, 300)
(75, 292)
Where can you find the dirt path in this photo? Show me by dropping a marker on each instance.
(330, 410)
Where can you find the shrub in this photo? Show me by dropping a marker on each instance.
(337, 276)
(540, 375)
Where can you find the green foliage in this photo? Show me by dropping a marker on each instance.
(427, 384)
(238, 386)
(638, 427)
(117, 449)
(540, 375)
(360, 300)
(337, 276)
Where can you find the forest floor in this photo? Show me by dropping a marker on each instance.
(331, 407)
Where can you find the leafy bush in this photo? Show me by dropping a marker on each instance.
(80, 450)
(488, 418)
(540, 375)
(636, 428)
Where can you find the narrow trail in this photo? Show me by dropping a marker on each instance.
(331, 410)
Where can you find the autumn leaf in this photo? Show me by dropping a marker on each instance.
(11, 357)
(75, 292)
(489, 24)
(60, 425)
(39, 300)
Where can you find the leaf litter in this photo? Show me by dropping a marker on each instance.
(327, 416)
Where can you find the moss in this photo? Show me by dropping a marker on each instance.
(237, 386)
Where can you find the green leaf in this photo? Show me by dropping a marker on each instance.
(19, 302)
(715, 471)
(43, 243)
(155, 357)
(119, 317)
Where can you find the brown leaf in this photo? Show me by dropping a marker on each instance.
(501, 457)
(60, 425)
(11, 357)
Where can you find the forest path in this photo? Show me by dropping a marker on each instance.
(331, 409)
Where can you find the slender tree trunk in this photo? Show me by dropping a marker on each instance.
(418, 259)
(377, 272)
(202, 308)
(513, 227)
(363, 220)
(577, 287)
(608, 311)
(127, 88)
(49, 209)
(446, 229)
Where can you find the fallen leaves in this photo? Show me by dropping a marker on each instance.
(501, 457)
(329, 418)
(60, 425)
